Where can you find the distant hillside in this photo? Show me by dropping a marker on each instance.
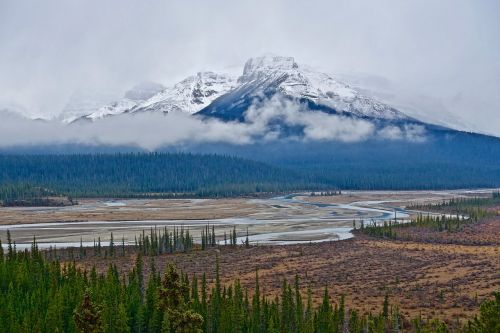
(26, 195)
(155, 174)
(446, 160)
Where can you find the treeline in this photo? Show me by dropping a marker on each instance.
(464, 212)
(179, 175)
(37, 295)
(467, 206)
(391, 229)
(24, 194)
(162, 175)
(451, 160)
(156, 242)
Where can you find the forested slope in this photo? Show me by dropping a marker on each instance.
(153, 174)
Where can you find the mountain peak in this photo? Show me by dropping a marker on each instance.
(263, 65)
(144, 91)
(220, 94)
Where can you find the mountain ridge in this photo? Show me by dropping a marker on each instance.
(205, 92)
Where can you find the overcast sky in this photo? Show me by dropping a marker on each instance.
(444, 55)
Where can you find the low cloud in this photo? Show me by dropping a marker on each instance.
(273, 119)
(316, 125)
(408, 132)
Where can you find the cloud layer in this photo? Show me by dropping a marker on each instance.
(446, 51)
(271, 120)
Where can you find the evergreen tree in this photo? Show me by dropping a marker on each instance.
(111, 246)
(256, 310)
(299, 310)
(247, 242)
(87, 316)
(179, 319)
(385, 309)
(489, 317)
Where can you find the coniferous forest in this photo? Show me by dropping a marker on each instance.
(167, 175)
(263, 166)
(154, 175)
(42, 295)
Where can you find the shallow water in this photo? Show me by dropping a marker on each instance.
(286, 220)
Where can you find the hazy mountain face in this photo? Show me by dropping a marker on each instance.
(261, 76)
(445, 51)
(274, 98)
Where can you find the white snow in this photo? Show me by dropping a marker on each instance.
(192, 94)
(198, 91)
(117, 107)
(304, 83)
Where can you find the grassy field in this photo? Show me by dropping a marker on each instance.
(443, 275)
(447, 281)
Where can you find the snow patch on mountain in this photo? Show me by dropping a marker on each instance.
(269, 73)
(121, 106)
(144, 91)
(266, 66)
(190, 95)
(300, 82)
(85, 102)
(418, 106)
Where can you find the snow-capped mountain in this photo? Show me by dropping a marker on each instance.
(269, 75)
(144, 91)
(95, 105)
(82, 103)
(190, 95)
(228, 97)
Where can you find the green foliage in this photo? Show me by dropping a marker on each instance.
(466, 206)
(24, 194)
(87, 316)
(158, 175)
(461, 212)
(488, 320)
(178, 318)
(392, 229)
(39, 295)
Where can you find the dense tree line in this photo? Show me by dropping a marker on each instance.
(156, 242)
(24, 194)
(465, 211)
(467, 206)
(167, 175)
(22, 191)
(154, 174)
(443, 160)
(39, 295)
(153, 243)
(390, 229)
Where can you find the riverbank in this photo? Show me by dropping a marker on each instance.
(446, 281)
(299, 218)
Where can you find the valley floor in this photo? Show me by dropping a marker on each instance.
(438, 275)
(446, 281)
(279, 220)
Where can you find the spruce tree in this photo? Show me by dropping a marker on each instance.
(385, 310)
(179, 318)
(87, 315)
(111, 246)
(234, 238)
(10, 251)
(256, 310)
(299, 311)
(247, 242)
